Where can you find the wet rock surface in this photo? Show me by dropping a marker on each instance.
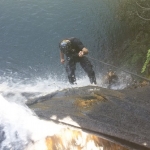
(121, 116)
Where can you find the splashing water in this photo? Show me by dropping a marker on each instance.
(52, 83)
(21, 129)
(20, 126)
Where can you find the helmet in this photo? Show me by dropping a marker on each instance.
(65, 46)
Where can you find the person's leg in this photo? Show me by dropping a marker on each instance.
(70, 69)
(88, 68)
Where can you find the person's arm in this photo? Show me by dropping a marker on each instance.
(83, 52)
(62, 60)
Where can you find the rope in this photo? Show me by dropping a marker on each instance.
(119, 68)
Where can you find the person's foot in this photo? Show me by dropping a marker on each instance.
(72, 80)
(93, 80)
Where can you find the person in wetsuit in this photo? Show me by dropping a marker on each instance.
(75, 52)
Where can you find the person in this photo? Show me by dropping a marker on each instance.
(75, 52)
(111, 78)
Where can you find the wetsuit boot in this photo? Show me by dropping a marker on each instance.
(93, 80)
(72, 79)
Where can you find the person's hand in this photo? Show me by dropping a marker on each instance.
(81, 54)
(62, 61)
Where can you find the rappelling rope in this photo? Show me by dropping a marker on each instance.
(118, 68)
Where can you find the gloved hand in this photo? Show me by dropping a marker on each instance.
(81, 54)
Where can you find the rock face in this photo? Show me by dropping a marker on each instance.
(121, 116)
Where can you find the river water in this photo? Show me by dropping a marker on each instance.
(30, 31)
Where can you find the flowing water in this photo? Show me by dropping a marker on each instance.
(30, 31)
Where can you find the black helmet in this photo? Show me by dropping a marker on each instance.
(65, 46)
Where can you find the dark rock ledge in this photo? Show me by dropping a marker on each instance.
(121, 116)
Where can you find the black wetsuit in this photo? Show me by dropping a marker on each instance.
(72, 58)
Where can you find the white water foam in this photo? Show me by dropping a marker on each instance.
(20, 126)
(13, 90)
